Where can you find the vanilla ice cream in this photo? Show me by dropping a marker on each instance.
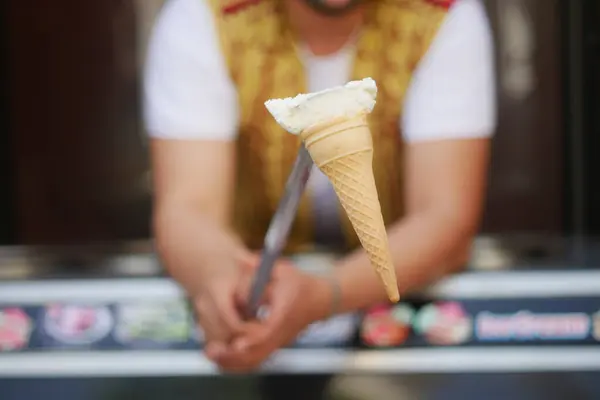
(295, 114)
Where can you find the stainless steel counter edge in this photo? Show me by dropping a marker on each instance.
(464, 286)
(186, 363)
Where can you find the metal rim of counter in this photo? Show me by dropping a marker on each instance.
(293, 361)
(464, 286)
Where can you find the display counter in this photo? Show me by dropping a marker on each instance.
(123, 319)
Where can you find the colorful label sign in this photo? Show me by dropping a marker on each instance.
(444, 324)
(387, 326)
(596, 325)
(15, 329)
(77, 324)
(526, 325)
(156, 322)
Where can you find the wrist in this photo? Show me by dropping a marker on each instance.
(326, 298)
(359, 285)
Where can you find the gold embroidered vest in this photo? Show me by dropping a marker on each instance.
(261, 54)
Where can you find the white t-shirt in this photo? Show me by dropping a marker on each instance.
(189, 94)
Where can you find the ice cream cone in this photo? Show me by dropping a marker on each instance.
(343, 150)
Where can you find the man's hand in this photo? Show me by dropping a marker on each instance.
(294, 300)
(217, 308)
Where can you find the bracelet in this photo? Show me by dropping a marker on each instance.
(336, 296)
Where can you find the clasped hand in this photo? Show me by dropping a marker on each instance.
(294, 300)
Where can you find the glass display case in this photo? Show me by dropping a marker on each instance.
(123, 318)
(525, 324)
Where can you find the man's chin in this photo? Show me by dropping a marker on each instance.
(333, 8)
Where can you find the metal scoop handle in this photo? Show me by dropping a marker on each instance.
(279, 228)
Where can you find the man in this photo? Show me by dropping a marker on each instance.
(220, 162)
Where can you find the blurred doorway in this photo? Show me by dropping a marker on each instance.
(79, 157)
(527, 174)
(589, 72)
(6, 177)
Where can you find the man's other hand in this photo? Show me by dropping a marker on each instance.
(293, 301)
(217, 307)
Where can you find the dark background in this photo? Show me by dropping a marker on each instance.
(591, 109)
(74, 137)
(6, 183)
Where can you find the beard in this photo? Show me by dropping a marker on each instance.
(323, 8)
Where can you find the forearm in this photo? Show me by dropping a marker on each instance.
(424, 248)
(190, 243)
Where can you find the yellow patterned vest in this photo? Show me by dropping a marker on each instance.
(261, 54)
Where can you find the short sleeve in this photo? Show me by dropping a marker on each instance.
(187, 90)
(452, 93)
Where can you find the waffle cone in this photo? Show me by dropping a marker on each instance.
(343, 150)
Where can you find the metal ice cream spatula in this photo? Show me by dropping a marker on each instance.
(279, 228)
